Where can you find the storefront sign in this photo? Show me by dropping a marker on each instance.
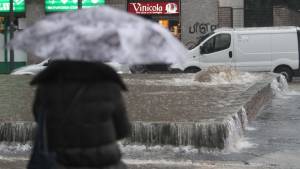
(19, 5)
(150, 8)
(68, 5)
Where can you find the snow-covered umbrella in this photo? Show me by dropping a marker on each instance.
(100, 34)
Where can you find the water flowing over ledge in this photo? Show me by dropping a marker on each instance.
(20, 132)
(211, 134)
(221, 133)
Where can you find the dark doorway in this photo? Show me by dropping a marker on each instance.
(258, 13)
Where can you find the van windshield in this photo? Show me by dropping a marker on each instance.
(201, 39)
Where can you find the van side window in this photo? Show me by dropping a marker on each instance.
(216, 43)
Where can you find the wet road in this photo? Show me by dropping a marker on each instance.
(271, 141)
(277, 133)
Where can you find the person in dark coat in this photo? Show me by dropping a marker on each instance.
(85, 113)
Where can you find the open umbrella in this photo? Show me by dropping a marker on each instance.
(100, 34)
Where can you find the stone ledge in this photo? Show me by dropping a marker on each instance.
(157, 113)
(218, 132)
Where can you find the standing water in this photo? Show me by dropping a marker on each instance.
(235, 130)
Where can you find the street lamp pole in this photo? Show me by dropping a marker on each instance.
(79, 4)
(11, 33)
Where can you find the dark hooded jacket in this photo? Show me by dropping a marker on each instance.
(85, 113)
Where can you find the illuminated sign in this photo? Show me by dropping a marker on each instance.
(149, 8)
(69, 5)
(19, 5)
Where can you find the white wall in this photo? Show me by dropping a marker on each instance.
(197, 18)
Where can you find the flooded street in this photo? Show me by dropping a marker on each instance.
(150, 84)
(272, 140)
(277, 131)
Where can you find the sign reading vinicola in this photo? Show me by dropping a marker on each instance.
(69, 5)
(19, 5)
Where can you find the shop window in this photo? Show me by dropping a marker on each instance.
(164, 23)
(174, 27)
(2, 24)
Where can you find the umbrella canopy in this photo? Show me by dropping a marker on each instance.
(100, 34)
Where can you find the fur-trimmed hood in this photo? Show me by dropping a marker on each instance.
(81, 71)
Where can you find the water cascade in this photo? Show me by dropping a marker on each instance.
(279, 85)
(197, 134)
(221, 132)
(213, 134)
(21, 132)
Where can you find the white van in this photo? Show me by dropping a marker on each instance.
(273, 49)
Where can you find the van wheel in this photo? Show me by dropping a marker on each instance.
(286, 72)
(192, 70)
